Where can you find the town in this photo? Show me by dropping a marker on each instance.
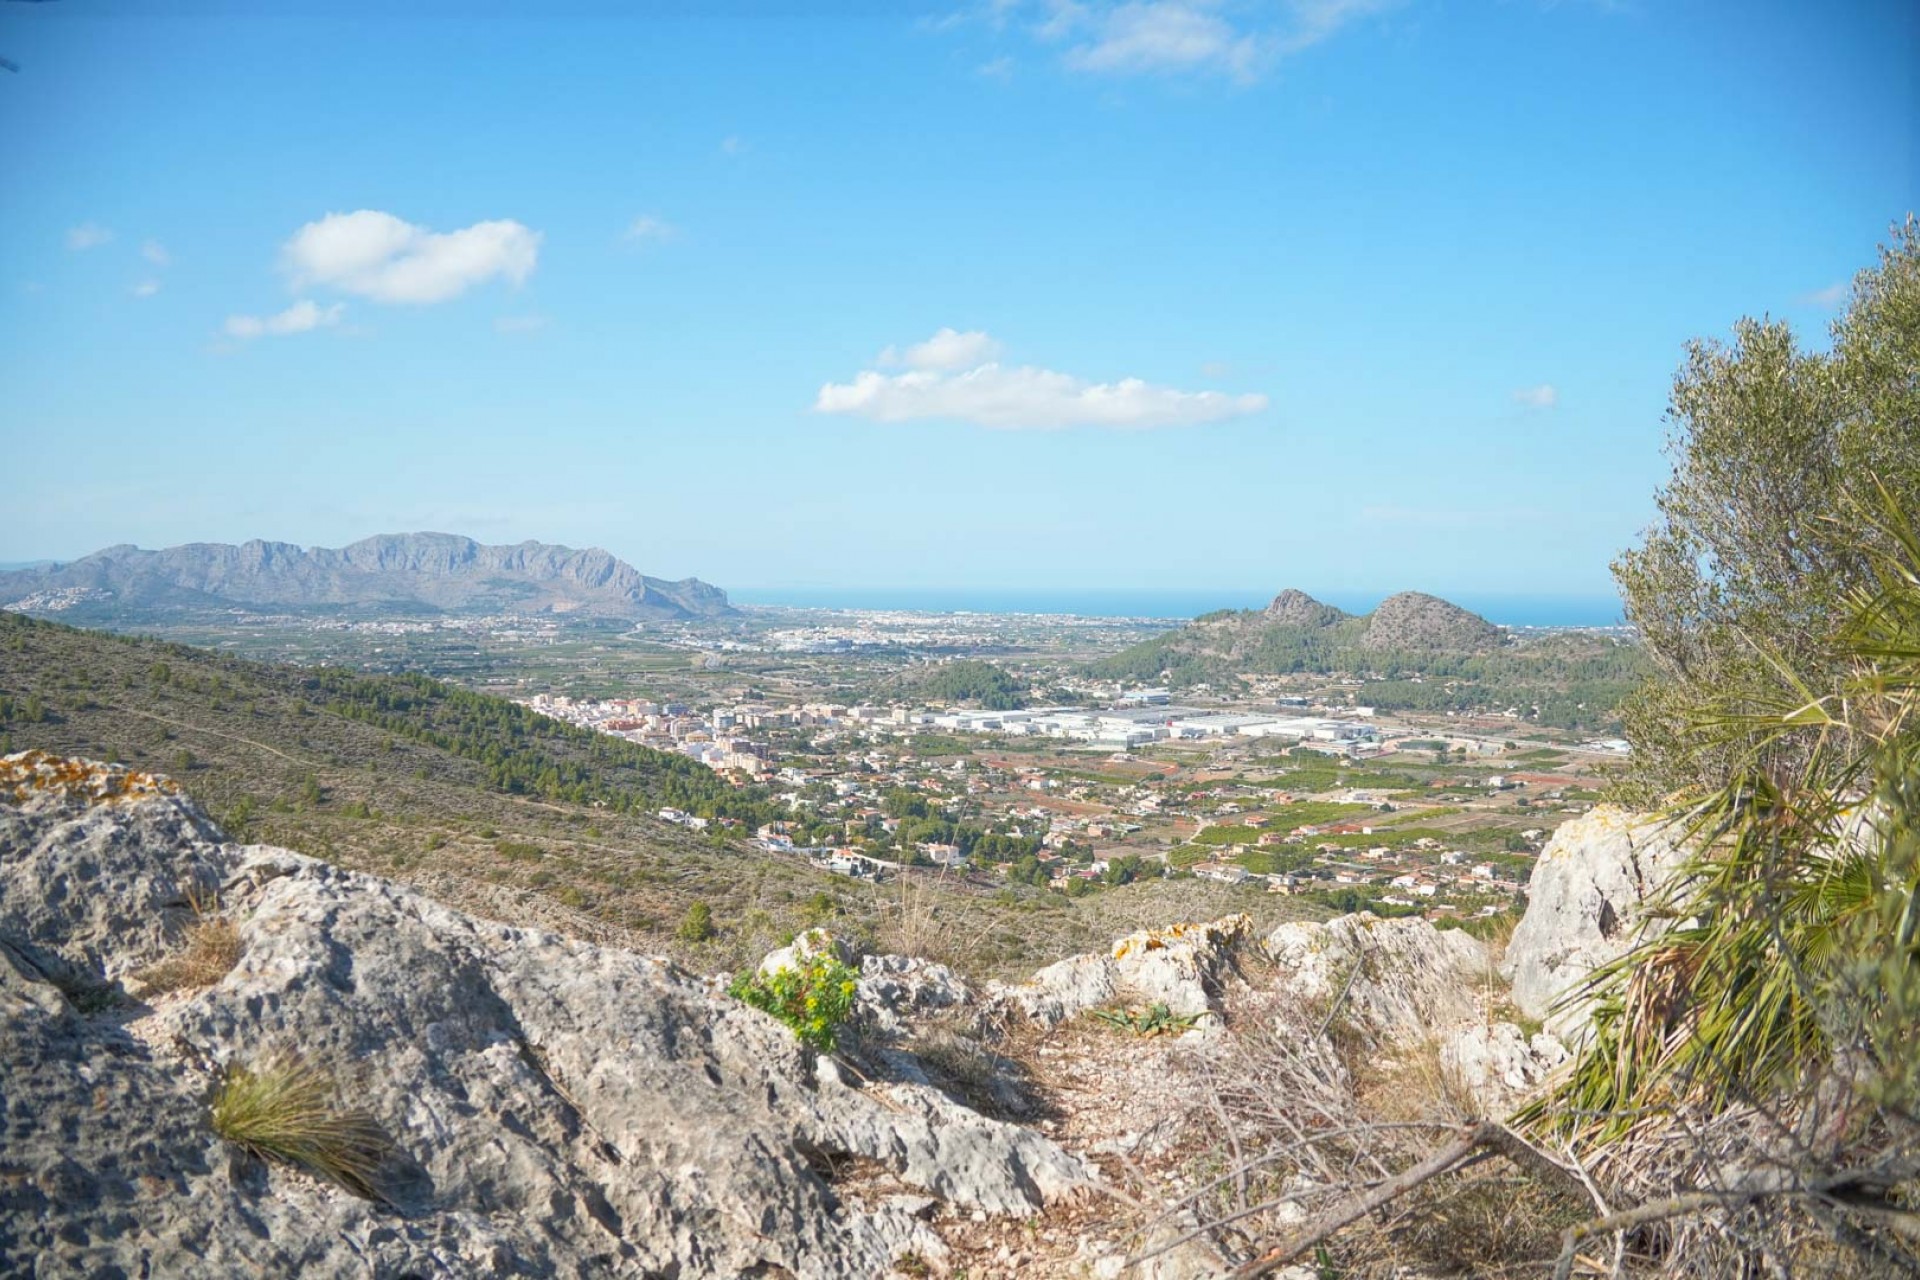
(1350, 807)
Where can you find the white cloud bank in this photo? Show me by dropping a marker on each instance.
(156, 253)
(953, 376)
(378, 256)
(1544, 396)
(302, 317)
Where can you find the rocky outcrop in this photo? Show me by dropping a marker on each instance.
(554, 1108)
(1397, 981)
(1295, 608)
(1586, 901)
(1180, 967)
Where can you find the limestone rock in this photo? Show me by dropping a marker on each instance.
(805, 946)
(895, 990)
(105, 897)
(1585, 903)
(1500, 1064)
(556, 1108)
(1181, 967)
(1408, 979)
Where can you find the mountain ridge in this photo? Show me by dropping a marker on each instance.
(437, 571)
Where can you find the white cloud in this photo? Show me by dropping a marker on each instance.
(648, 227)
(1201, 37)
(1315, 20)
(946, 349)
(732, 145)
(88, 235)
(1826, 299)
(1544, 396)
(1215, 369)
(1000, 68)
(156, 253)
(146, 288)
(301, 317)
(519, 324)
(376, 255)
(1021, 398)
(1167, 35)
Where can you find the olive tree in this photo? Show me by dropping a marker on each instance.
(1778, 452)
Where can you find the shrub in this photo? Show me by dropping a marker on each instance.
(697, 924)
(1156, 1020)
(283, 1110)
(813, 998)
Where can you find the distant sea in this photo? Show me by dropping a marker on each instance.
(1095, 602)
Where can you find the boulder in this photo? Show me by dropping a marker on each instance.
(1586, 902)
(554, 1108)
(1181, 967)
(1403, 979)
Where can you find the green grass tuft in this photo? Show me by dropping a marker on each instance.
(283, 1110)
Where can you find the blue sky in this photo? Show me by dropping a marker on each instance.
(1352, 295)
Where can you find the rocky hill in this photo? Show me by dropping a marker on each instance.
(1413, 621)
(417, 572)
(1296, 633)
(227, 1059)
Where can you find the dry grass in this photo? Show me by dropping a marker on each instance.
(1289, 1123)
(213, 948)
(922, 916)
(1412, 1083)
(284, 1110)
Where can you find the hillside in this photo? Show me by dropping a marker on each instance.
(1298, 633)
(418, 572)
(962, 682)
(1416, 652)
(499, 811)
(230, 1059)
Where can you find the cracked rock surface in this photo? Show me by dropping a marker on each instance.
(555, 1108)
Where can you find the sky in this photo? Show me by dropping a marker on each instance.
(1353, 295)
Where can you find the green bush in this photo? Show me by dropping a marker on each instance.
(697, 925)
(812, 998)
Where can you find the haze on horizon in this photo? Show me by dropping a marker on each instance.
(1351, 294)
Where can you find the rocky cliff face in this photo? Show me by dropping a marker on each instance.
(417, 570)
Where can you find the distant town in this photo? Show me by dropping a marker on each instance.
(1359, 808)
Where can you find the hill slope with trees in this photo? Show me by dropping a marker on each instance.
(495, 809)
(1417, 652)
